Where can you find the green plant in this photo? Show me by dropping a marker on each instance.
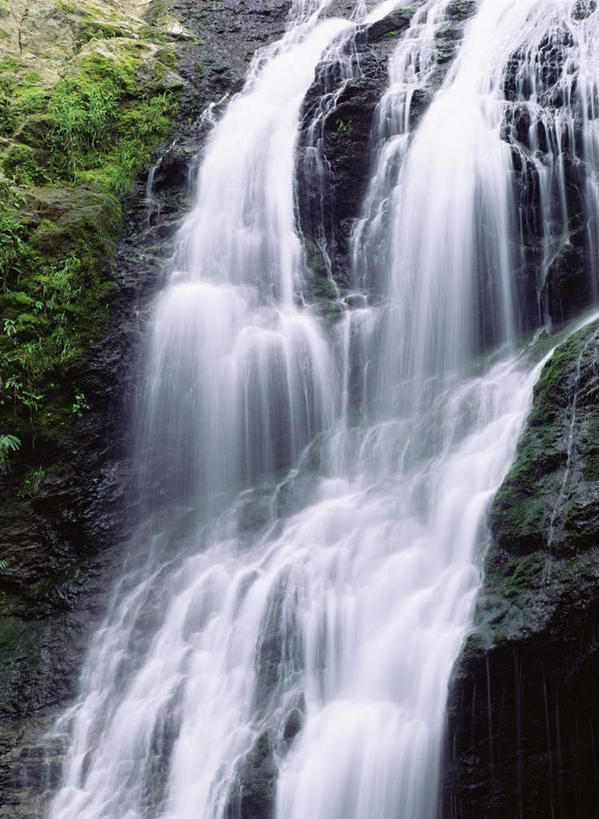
(82, 112)
(79, 404)
(8, 445)
(83, 140)
(343, 127)
(21, 166)
(32, 480)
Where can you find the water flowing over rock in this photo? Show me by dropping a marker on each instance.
(334, 372)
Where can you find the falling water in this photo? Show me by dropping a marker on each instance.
(286, 645)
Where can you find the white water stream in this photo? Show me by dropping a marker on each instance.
(290, 635)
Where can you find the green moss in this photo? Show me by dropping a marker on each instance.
(511, 579)
(97, 126)
(325, 288)
(570, 516)
(109, 127)
(9, 64)
(85, 140)
(20, 165)
(21, 94)
(590, 455)
(526, 570)
(517, 519)
(590, 471)
(525, 504)
(93, 30)
(55, 299)
(9, 627)
(66, 8)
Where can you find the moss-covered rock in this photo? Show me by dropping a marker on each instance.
(548, 500)
(523, 715)
(77, 132)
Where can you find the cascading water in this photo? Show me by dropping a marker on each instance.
(287, 645)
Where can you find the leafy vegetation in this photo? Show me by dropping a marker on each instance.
(343, 126)
(32, 480)
(69, 152)
(8, 444)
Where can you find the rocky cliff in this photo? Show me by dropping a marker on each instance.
(523, 715)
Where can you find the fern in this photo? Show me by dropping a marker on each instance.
(8, 444)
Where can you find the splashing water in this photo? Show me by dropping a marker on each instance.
(287, 646)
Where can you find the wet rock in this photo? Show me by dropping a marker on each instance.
(522, 716)
(337, 121)
(253, 798)
(461, 10)
(553, 262)
(335, 150)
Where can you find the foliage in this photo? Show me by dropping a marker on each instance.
(343, 126)
(54, 297)
(32, 480)
(79, 404)
(97, 127)
(84, 140)
(8, 445)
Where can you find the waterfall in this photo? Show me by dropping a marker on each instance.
(315, 492)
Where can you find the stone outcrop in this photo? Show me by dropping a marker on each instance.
(335, 151)
(333, 159)
(554, 262)
(523, 716)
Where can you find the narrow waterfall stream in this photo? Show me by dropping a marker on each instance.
(316, 493)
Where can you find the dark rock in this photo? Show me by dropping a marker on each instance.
(293, 725)
(391, 25)
(522, 713)
(583, 9)
(253, 798)
(553, 261)
(335, 150)
(337, 121)
(460, 10)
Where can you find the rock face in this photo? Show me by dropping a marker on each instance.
(523, 714)
(333, 158)
(335, 150)
(552, 258)
(554, 262)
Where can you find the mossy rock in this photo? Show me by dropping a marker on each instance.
(20, 165)
(72, 148)
(544, 518)
(556, 467)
